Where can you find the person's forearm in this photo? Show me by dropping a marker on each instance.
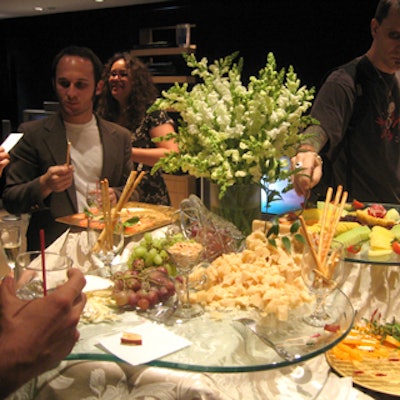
(148, 156)
(13, 373)
(315, 142)
(45, 190)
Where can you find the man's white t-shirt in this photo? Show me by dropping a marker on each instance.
(86, 156)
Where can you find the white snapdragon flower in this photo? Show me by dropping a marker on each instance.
(231, 133)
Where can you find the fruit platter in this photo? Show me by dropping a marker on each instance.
(370, 232)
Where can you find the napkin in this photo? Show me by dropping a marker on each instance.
(341, 388)
(157, 342)
(56, 247)
(11, 141)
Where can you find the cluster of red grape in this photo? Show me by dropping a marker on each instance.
(134, 289)
(148, 281)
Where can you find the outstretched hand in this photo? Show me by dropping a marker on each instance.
(309, 165)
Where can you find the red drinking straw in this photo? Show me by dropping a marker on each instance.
(42, 247)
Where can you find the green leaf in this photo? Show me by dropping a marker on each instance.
(274, 230)
(88, 213)
(272, 242)
(295, 226)
(131, 221)
(287, 244)
(300, 238)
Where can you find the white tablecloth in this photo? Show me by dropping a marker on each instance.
(369, 287)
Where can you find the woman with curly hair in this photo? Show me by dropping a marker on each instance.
(127, 94)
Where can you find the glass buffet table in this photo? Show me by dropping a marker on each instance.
(219, 345)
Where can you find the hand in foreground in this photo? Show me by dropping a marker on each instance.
(310, 174)
(4, 159)
(35, 335)
(57, 179)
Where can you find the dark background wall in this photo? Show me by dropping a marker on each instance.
(312, 35)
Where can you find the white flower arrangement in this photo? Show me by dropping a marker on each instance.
(233, 134)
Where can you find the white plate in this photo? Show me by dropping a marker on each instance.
(94, 282)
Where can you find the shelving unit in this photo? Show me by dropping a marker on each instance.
(153, 51)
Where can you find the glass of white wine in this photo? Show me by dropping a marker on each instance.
(93, 197)
(10, 238)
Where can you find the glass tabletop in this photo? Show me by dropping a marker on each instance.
(219, 346)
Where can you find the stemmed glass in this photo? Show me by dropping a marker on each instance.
(93, 197)
(10, 238)
(186, 255)
(107, 243)
(322, 278)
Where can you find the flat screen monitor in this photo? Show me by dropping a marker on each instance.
(34, 114)
(290, 201)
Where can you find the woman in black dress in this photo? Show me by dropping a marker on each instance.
(127, 94)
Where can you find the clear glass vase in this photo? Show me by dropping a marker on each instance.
(240, 204)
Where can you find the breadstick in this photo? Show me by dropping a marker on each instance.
(324, 217)
(68, 156)
(309, 242)
(130, 186)
(123, 198)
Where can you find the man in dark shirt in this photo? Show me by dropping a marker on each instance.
(359, 132)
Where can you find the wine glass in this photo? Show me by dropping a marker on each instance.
(31, 282)
(93, 197)
(322, 278)
(107, 243)
(10, 238)
(186, 255)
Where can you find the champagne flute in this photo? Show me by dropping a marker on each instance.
(107, 244)
(93, 196)
(323, 278)
(10, 237)
(186, 255)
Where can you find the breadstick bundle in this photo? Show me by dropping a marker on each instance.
(104, 240)
(330, 218)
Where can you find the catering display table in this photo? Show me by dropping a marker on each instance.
(217, 366)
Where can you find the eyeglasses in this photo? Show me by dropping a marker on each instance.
(120, 74)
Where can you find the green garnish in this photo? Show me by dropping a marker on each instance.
(131, 221)
(383, 329)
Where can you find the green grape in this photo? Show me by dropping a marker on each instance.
(148, 260)
(158, 244)
(164, 254)
(153, 251)
(157, 259)
(171, 269)
(140, 251)
(148, 237)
